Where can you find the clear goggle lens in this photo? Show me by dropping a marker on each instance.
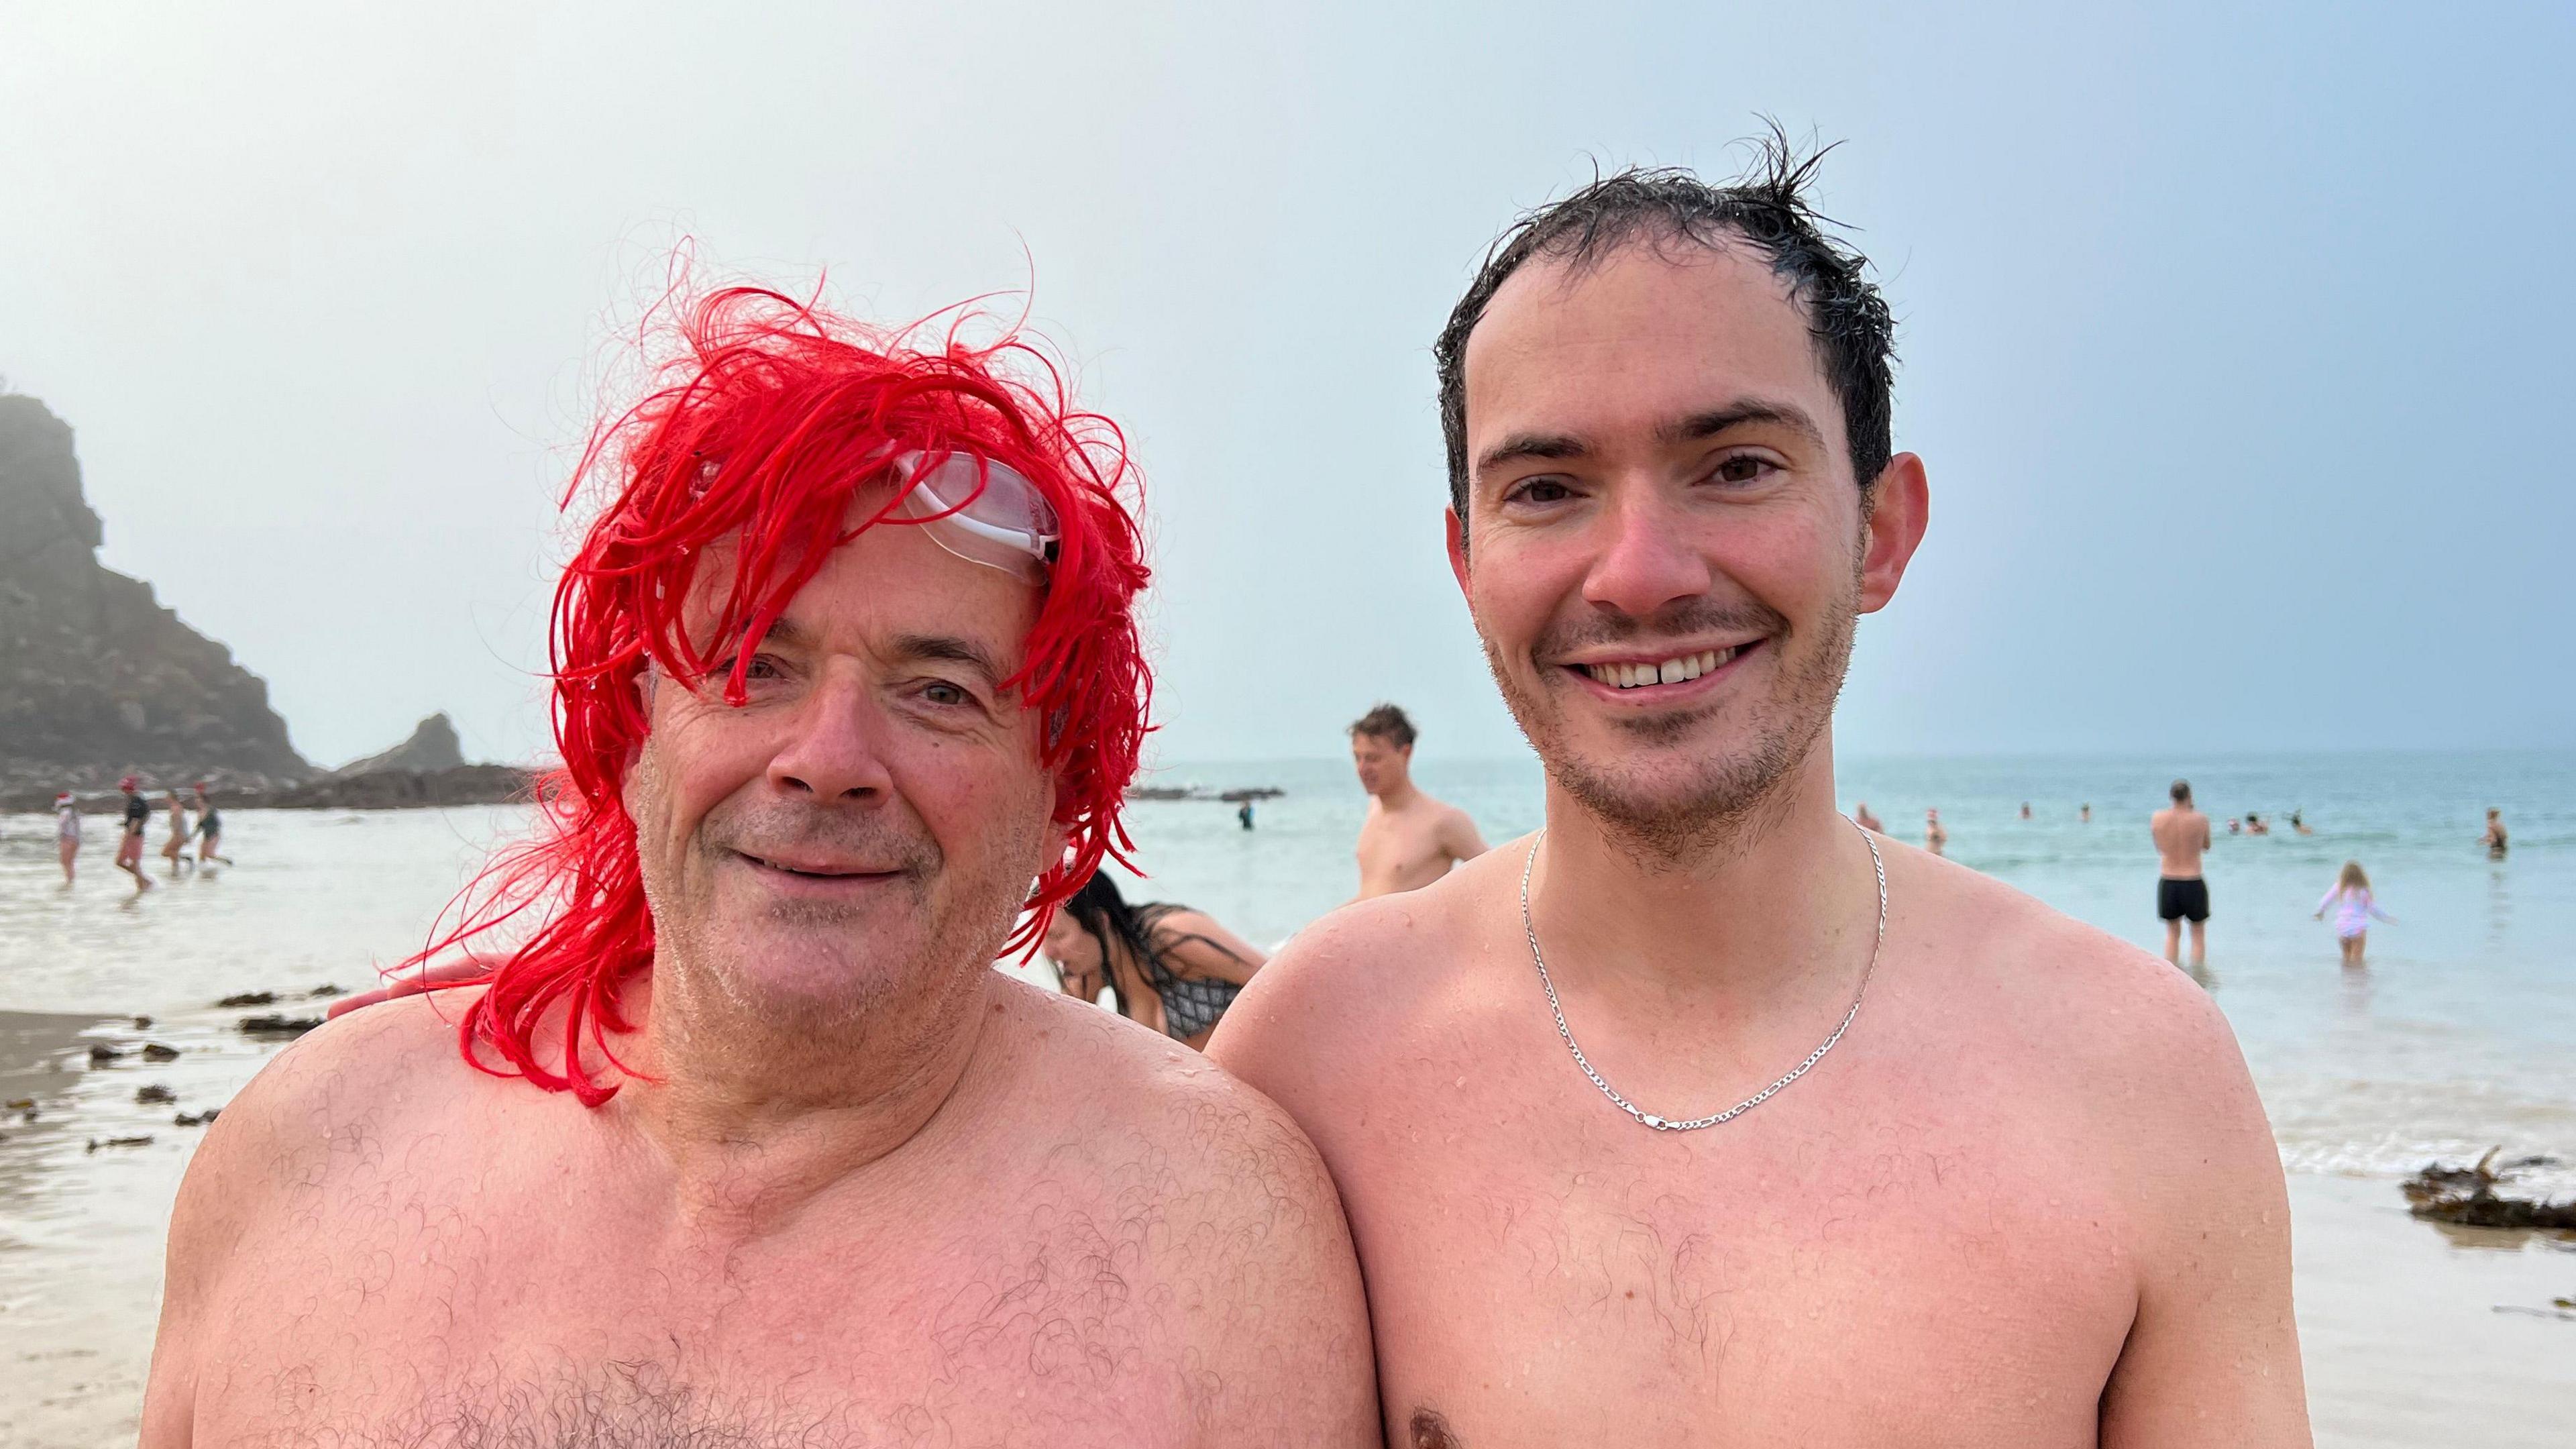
(980, 510)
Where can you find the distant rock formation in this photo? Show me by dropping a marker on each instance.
(96, 678)
(432, 746)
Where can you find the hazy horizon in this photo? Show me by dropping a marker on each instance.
(2229, 340)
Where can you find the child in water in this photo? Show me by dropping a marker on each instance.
(2353, 908)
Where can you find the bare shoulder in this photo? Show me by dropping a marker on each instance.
(1140, 1091)
(331, 1088)
(2116, 1028)
(1318, 1021)
(1225, 1211)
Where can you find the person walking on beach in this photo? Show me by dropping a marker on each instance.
(2351, 902)
(129, 846)
(210, 829)
(1175, 969)
(748, 1144)
(1701, 1115)
(174, 849)
(2181, 834)
(67, 831)
(1408, 839)
(1935, 839)
(2495, 840)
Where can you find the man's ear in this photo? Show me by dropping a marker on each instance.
(1457, 530)
(1899, 507)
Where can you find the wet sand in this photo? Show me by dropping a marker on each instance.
(2414, 1333)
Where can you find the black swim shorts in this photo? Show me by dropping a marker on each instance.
(2186, 900)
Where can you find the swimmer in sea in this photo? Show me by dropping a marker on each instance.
(1935, 839)
(67, 831)
(1175, 969)
(129, 847)
(210, 829)
(1866, 821)
(2254, 824)
(2085, 815)
(2494, 840)
(2299, 825)
(2351, 902)
(2025, 810)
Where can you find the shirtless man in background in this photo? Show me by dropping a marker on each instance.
(2029, 1197)
(2181, 834)
(755, 1147)
(1409, 839)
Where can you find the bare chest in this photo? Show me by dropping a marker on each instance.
(418, 1307)
(1545, 1271)
(1400, 852)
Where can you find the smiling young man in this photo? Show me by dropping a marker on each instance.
(1703, 1117)
(747, 1143)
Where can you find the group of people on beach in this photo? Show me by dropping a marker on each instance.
(1696, 1115)
(207, 831)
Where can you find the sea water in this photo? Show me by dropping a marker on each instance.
(2459, 1033)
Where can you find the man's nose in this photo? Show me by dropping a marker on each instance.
(832, 752)
(1649, 558)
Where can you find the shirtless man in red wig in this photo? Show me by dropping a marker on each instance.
(745, 1142)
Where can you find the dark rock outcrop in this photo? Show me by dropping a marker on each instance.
(432, 747)
(96, 678)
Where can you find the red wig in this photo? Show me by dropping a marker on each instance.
(768, 418)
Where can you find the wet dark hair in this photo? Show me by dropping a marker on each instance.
(1101, 911)
(2181, 791)
(1767, 209)
(1387, 723)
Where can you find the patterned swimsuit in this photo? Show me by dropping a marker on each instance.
(1191, 1004)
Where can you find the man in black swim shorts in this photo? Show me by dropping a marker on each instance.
(2182, 836)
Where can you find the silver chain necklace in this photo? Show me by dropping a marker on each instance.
(1649, 1119)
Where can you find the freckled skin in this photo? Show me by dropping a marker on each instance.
(861, 1188)
(2029, 1199)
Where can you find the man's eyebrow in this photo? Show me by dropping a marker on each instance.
(1703, 425)
(951, 649)
(1521, 446)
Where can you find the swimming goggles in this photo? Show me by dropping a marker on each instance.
(979, 510)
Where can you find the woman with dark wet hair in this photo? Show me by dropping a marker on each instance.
(1175, 969)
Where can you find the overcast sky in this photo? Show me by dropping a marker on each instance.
(2238, 347)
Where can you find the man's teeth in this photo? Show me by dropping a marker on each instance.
(1671, 671)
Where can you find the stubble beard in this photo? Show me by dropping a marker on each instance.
(1732, 798)
(704, 955)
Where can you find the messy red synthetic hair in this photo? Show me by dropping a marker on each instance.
(768, 415)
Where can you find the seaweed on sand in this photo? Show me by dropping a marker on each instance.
(2468, 1196)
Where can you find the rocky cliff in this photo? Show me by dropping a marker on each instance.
(432, 747)
(96, 678)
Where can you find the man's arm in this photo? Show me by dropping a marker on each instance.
(2212, 1357)
(1458, 836)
